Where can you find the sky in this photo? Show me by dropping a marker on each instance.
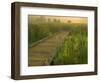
(64, 19)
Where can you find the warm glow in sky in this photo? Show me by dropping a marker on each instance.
(64, 19)
(72, 19)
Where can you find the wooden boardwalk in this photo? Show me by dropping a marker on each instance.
(43, 53)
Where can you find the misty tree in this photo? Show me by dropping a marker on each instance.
(69, 21)
(49, 20)
(55, 20)
(42, 19)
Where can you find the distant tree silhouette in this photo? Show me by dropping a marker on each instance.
(49, 20)
(42, 19)
(69, 21)
(54, 20)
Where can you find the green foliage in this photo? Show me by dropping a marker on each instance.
(38, 31)
(74, 48)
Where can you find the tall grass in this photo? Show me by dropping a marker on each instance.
(38, 31)
(74, 48)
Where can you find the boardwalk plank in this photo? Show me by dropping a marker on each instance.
(43, 53)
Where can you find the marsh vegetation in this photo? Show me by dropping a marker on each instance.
(74, 48)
